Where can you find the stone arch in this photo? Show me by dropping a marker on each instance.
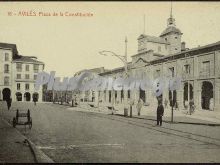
(18, 96)
(185, 92)
(6, 92)
(207, 95)
(27, 96)
(142, 95)
(35, 96)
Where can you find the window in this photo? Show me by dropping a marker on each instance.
(171, 71)
(27, 67)
(187, 69)
(18, 86)
(175, 48)
(158, 73)
(35, 77)
(165, 39)
(19, 67)
(36, 68)
(6, 57)
(6, 80)
(27, 76)
(26, 86)
(6, 68)
(18, 76)
(206, 67)
(176, 37)
(159, 48)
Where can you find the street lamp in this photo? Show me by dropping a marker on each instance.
(121, 57)
(172, 91)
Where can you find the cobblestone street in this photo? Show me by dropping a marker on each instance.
(73, 135)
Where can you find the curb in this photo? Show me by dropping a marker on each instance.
(39, 156)
(176, 122)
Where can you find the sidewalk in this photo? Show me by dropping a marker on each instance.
(200, 117)
(13, 148)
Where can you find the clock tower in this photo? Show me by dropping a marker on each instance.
(172, 35)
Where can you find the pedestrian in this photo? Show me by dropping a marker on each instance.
(35, 100)
(165, 103)
(113, 105)
(191, 105)
(139, 106)
(160, 111)
(8, 101)
(131, 103)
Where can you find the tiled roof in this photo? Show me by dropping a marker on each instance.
(170, 29)
(21, 58)
(153, 39)
(10, 46)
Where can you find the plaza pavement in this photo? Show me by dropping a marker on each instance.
(13, 148)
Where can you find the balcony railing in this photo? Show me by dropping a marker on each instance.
(36, 70)
(19, 69)
(6, 71)
(6, 83)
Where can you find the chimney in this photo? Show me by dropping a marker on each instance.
(183, 46)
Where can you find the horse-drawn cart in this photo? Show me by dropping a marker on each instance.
(27, 115)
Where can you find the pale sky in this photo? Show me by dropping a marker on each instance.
(69, 44)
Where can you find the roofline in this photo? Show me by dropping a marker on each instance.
(166, 57)
(20, 61)
(187, 51)
(161, 35)
(142, 53)
(6, 48)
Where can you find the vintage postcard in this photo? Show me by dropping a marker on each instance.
(109, 82)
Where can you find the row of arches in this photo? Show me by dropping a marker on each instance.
(206, 95)
(6, 92)
(27, 96)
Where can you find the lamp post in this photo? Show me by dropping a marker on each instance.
(172, 91)
(121, 57)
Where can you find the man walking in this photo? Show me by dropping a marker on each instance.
(139, 106)
(8, 101)
(160, 111)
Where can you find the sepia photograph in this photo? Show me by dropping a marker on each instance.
(109, 82)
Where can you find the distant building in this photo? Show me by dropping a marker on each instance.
(18, 74)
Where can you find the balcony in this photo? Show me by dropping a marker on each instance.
(6, 71)
(19, 70)
(6, 83)
(36, 70)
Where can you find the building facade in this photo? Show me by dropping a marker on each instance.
(167, 56)
(18, 74)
